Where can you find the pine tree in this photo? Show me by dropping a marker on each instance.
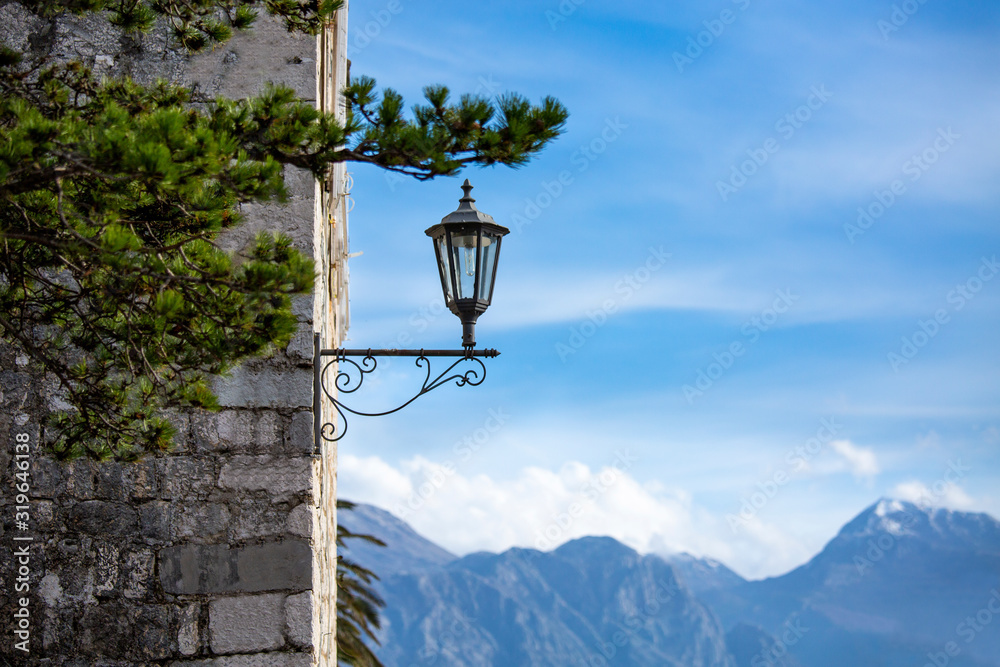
(112, 195)
(357, 602)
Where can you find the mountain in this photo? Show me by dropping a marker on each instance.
(405, 550)
(592, 601)
(703, 574)
(899, 584)
(751, 646)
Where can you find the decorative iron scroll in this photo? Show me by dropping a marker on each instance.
(350, 376)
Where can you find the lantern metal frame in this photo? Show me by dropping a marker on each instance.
(467, 222)
(352, 365)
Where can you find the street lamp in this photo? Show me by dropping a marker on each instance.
(467, 247)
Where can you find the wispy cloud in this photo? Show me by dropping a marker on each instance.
(946, 494)
(861, 461)
(540, 508)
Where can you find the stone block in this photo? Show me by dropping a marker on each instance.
(300, 520)
(109, 481)
(139, 480)
(280, 477)
(188, 634)
(258, 518)
(105, 571)
(258, 660)
(202, 522)
(301, 345)
(226, 431)
(50, 590)
(75, 571)
(19, 25)
(57, 632)
(299, 435)
(205, 432)
(47, 478)
(268, 53)
(298, 619)
(198, 569)
(182, 422)
(265, 387)
(79, 477)
(247, 623)
(294, 218)
(155, 519)
(136, 577)
(302, 306)
(114, 630)
(153, 632)
(186, 477)
(97, 517)
(44, 515)
(268, 436)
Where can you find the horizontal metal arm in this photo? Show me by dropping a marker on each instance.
(342, 352)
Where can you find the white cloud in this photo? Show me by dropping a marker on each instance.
(542, 509)
(941, 494)
(860, 461)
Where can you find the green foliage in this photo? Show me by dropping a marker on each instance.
(357, 603)
(110, 279)
(442, 138)
(112, 196)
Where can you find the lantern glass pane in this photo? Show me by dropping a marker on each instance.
(441, 252)
(491, 246)
(463, 246)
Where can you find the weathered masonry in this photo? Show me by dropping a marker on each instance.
(221, 553)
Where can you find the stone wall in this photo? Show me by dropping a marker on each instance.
(331, 313)
(220, 553)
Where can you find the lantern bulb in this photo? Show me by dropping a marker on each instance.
(470, 261)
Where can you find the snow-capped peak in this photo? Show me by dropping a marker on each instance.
(888, 506)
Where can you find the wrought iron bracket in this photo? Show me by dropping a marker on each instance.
(350, 375)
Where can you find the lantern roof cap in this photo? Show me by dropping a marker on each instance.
(467, 214)
(467, 211)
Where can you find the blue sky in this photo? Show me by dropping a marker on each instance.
(700, 225)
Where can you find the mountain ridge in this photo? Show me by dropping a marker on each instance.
(887, 589)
